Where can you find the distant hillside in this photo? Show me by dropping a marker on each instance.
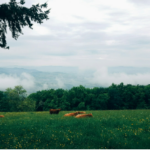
(129, 70)
(47, 80)
(17, 71)
(47, 77)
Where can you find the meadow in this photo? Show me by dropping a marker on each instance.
(110, 129)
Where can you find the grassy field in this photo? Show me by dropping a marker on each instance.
(107, 129)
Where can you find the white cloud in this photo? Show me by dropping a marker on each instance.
(39, 30)
(101, 77)
(45, 86)
(25, 80)
(60, 83)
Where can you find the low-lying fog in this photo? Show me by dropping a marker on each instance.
(40, 78)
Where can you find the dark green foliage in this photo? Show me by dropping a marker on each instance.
(17, 17)
(81, 106)
(16, 100)
(115, 97)
(1, 95)
(26, 105)
(115, 100)
(4, 103)
(80, 98)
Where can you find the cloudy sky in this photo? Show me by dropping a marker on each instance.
(88, 34)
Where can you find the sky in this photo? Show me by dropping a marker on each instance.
(88, 34)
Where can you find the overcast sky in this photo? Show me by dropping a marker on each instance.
(86, 34)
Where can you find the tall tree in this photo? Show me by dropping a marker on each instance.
(4, 103)
(16, 17)
(15, 97)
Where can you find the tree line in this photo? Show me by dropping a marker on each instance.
(114, 97)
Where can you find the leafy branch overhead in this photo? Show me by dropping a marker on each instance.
(16, 17)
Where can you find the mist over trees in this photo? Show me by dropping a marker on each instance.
(114, 97)
(17, 17)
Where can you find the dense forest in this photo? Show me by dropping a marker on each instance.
(113, 97)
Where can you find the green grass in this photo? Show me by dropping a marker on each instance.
(118, 129)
